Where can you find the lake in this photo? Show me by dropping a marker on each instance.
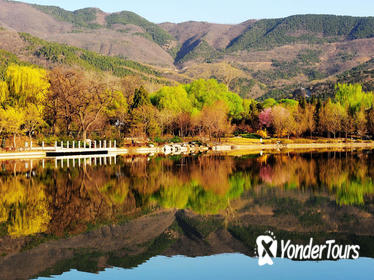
(184, 217)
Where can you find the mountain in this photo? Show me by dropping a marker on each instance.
(90, 29)
(33, 50)
(267, 57)
(268, 33)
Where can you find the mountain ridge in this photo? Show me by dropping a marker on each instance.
(253, 58)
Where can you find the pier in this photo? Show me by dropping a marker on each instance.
(77, 161)
(76, 148)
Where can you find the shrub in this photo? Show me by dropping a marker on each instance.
(262, 133)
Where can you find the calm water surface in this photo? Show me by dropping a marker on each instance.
(194, 217)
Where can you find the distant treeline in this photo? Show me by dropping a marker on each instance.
(66, 102)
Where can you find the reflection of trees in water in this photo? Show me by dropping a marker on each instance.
(73, 198)
(85, 196)
(66, 200)
(203, 184)
(289, 172)
(23, 206)
(346, 176)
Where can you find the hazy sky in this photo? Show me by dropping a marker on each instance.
(227, 11)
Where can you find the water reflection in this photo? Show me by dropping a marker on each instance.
(60, 198)
(122, 211)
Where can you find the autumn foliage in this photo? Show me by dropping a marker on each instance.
(72, 103)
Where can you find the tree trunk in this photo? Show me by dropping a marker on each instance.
(30, 139)
(84, 135)
(14, 141)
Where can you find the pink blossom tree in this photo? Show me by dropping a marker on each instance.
(266, 118)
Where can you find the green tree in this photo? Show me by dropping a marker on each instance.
(207, 92)
(172, 98)
(141, 97)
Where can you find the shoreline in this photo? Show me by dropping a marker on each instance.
(225, 147)
(292, 146)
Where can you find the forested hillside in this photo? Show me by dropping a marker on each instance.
(268, 33)
(257, 58)
(88, 18)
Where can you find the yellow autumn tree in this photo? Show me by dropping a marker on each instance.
(24, 94)
(4, 92)
(32, 119)
(27, 84)
(11, 121)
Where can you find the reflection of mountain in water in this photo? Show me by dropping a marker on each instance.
(116, 215)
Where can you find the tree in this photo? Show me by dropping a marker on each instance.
(352, 96)
(250, 116)
(361, 123)
(129, 84)
(145, 121)
(300, 121)
(4, 92)
(3, 122)
(266, 118)
(174, 99)
(166, 119)
(140, 98)
(26, 85)
(206, 92)
(268, 103)
(12, 119)
(183, 123)
(370, 120)
(80, 97)
(310, 118)
(117, 111)
(347, 123)
(283, 121)
(214, 119)
(356, 102)
(331, 116)
(32, 119)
